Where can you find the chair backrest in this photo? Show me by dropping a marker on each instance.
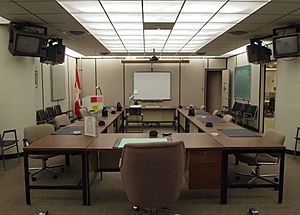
(57, 110)
(135, 111)
(152, 173)
(62, 120)
(253, 110)
(36, 132)
(50, 112)
(202, 107)
(272, 104)
(227, 118)
(42, 115)
(215, 112)
(275, 136)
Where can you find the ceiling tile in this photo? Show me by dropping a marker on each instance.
(57, 18)
(24, 18)
(42, 7)
(261, 18)
(11, 8)
(279, 8)
(202, 6)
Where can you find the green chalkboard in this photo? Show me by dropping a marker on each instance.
(242, 82)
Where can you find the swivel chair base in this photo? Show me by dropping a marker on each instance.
(255, 174)
(154, 211)
(45, 168)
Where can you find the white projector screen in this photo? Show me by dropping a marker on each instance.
(152, 85)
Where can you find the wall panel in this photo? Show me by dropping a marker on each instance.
(110, 79)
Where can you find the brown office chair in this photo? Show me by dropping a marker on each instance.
(7, 144)
(32, 134)
(152, 173)
(62, 120)
(259, 159)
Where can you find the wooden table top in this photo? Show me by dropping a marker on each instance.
(108, 121)
(192, 141)
(243, 143)
(60, 143)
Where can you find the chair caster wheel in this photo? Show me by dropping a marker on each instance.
(135, 208)
(237, 177)
(276, 179)
(33, 178)
(55, 177)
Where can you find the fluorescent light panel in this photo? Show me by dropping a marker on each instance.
(189, 34)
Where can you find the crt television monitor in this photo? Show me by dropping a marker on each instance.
(258, 54)
(27, 44)
(55, 54)
(286, 46)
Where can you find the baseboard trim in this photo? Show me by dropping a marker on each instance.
(12, 156)
(291, 152)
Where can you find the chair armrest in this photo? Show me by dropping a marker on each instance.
(25, 142)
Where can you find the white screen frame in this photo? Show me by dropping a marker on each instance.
(152, 86)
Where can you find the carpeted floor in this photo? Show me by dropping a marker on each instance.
(108, 196)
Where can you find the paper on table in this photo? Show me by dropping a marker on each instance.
(90, 126)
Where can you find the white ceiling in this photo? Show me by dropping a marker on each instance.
(130, 27)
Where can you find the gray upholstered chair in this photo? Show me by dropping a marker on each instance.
(227, 118)
(152, 173)
(32, 134)
(261, 159)
(62, 120)
(202, 107)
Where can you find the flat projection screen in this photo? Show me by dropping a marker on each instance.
(152, 86)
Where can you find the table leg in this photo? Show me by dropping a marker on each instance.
(224, 177)
(26, 174)
(178, 122)
(67, 160)
(84, 186)
(88, 179)
(281, 176)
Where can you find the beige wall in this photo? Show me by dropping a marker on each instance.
(287, 103)
(241, 60)
(17, 109)
(110, 79)
(116, 81)
(19, 97)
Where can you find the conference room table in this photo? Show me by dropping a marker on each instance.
(66, 143)
(195, 144)
(233, 145)
(206, 151)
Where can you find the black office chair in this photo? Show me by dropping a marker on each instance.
(50, 112)
(42, 117)
(7, 144)
(58, 111)
(250, 115)
(272, 105)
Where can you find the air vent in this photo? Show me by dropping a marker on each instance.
(75, 33)
(238, 33)
(158, 25)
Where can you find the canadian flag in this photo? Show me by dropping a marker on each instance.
(77, 95)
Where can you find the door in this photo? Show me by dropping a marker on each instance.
(225, 88)
(213, 93)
